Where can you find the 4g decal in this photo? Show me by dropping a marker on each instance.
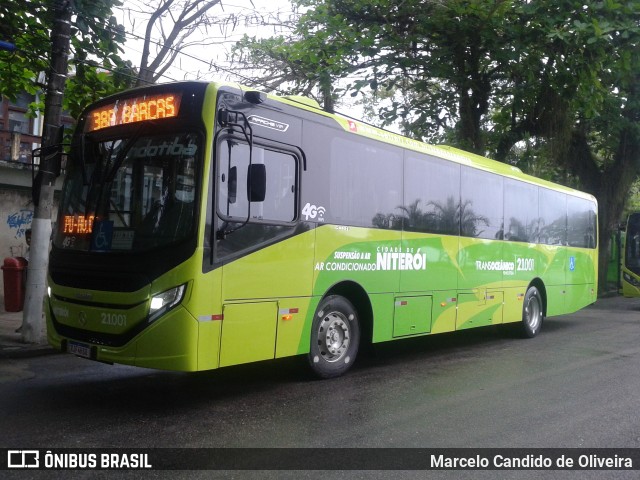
(313, 212)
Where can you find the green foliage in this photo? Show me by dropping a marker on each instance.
(577, 67)
(633, 204)
(25, 27)
(95, 47)
(482, 75)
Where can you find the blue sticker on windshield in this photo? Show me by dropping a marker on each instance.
(102, 235)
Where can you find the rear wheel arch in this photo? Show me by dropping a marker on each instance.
(358, 296)
(533, 311)
(539, 284)
(340, 325)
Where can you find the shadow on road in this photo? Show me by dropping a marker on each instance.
(121, 388)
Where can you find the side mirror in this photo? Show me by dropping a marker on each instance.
(257, 182)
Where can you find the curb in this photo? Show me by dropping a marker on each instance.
(11, 343)
(26, 351)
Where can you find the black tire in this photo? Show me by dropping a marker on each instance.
(532, 313)
(335, 337)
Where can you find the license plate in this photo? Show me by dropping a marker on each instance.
(79, 349)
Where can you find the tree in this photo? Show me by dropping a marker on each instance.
(493, 76)
(95, 51)
(173, 27)
(44, 183)
(305, 60)
(442, 57)
(39, 51)
(26, 26)
(576, 87)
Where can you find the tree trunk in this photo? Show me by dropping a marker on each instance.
(610, 186)
(326, 88)
(614, 191)
(44, 185)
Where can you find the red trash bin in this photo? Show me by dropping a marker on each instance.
(13, 275)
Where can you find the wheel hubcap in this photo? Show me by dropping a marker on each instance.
(334, 336)
(533, 313)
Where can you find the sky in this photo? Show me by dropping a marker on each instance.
(195, 63)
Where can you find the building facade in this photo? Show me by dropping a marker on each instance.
(19, 135)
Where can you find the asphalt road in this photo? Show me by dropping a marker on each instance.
(576, 385)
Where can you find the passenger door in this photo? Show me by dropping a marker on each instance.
(259, 244)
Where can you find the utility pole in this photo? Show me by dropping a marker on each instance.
(44, 184)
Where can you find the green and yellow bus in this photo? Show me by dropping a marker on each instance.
(631, 259)
(203, 225)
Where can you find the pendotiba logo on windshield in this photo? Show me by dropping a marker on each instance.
(172, 148)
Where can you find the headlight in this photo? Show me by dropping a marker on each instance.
(629, 279)
(165, 301)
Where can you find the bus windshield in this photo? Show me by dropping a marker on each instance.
(129, 193)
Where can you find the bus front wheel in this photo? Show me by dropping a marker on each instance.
(532, 313)
(335, 337)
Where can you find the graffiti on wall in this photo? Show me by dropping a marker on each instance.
(20, 221)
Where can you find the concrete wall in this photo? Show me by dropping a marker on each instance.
(16, 214)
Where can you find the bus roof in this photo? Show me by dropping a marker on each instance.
(457, 155)
(358, 127)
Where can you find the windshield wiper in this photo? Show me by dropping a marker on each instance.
(103, 174)
(117, 163)
(114, 208)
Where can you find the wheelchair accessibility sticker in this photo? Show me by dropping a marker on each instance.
(102, 236)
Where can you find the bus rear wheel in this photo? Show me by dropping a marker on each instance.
(532, 313)
(335, 337)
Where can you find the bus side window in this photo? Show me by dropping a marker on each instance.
(580, 223)
(274, 195)
(266, 189)
(553, 217)
(482, 204)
